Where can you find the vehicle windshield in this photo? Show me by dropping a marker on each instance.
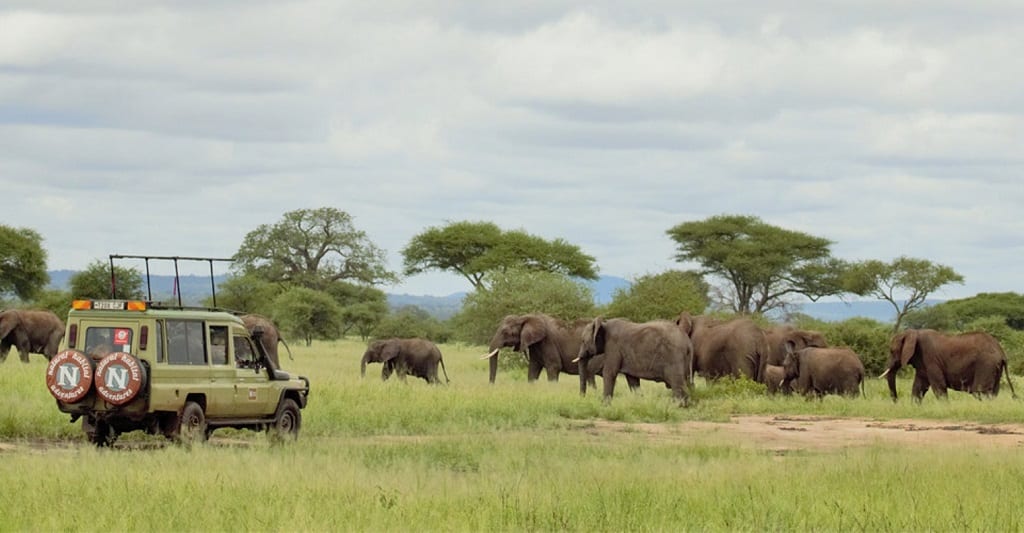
(104, 340)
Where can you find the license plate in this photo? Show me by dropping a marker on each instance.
(114, 305)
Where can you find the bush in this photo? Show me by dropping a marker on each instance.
(411, 321)
(660, 296)
(868, 338)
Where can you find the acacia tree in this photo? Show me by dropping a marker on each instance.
(22, 262)
(307, 314)
(312, 248)
(475, 249)
(662, 295)
(760, 264)
(914, 278)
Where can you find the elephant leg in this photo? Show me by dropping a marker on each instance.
(610, 374)
(937, 382)
(552, 372)
(920, 386)
(23, 354)
(533, 370)
(633, 382)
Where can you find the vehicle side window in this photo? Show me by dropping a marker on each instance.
(185, 344)
(159, 329)
(219, 345)
(244, 353)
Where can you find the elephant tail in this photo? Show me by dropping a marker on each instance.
(279, 339)
(445, 370)
(1006, 372)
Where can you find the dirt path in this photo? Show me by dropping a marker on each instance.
(779, 433)
(784, 433)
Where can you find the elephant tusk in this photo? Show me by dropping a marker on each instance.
(492, 354)
(782, 383)
(577, 360)
(886, 373)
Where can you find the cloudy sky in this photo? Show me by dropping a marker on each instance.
(175, 128)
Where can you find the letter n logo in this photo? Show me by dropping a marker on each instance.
(116, 378)
(68, 376)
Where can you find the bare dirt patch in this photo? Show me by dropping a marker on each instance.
(791, 433)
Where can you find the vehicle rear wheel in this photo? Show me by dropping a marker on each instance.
(192, 424)
(287, 422)
(99, 432)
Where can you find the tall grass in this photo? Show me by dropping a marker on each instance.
(514, 456)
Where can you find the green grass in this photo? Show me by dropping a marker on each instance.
(515, 456)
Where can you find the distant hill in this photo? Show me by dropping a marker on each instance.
(194, 289)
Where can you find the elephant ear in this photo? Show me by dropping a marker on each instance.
(533, 332)
(909, 346)
(599, 335)
(8, 321)
(685, 323)
(389, 352)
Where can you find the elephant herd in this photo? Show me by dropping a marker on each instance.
(784, 358)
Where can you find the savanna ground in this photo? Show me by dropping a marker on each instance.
(515, 456)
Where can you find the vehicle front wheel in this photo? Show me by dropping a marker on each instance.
(192, 424)
(286, 422)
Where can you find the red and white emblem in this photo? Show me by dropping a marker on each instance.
(69, 376)
(119, 378)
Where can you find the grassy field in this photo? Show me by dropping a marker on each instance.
(376, 456)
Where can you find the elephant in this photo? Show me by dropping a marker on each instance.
(271, 336)
(658, 351)
(31, 331)
(735, 347)
(821, 371)
(415, 356)
(774, 376)
(549, 344)
(778, 336)
(970, 362)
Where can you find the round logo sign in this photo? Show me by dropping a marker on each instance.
(119, 378)
(69, 376)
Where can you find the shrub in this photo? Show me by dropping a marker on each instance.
(868, 338)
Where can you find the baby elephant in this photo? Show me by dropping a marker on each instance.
(418, 357)
(775, 379)
(821, 371)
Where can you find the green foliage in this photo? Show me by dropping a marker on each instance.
(474, 249)
(732, 388)
(312, 248)
(56, 301)
(1011, 339)
(94, 282)
(955, 314)
(868, 338)
(247, 293)
(760, 264)
(22, 262)
(660, 296)
(362, 307)
(411, 321)
(517, 292)
(307, 314)
(914, 278)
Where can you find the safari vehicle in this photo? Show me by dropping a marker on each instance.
(169, 369)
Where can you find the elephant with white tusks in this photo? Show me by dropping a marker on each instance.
(419, 357)
(31, 331)
(970, 362)
(657, 350)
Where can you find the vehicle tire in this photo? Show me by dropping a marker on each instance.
(191, 424)
(287, 422)
(69, 376)
(126, 380)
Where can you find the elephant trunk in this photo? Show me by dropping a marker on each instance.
(583, 375)
(362, 367)
(890, 376)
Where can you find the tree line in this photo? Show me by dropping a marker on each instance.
(317, 276)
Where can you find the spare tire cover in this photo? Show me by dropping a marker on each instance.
(69, 376)
(119, 378)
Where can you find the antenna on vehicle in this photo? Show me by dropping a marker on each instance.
(177, 280)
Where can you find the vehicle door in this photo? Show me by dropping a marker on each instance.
(252, 392)
(221, 402)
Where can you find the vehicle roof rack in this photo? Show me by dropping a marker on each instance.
(177, 277)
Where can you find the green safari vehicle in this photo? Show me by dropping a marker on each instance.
(178, 371)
